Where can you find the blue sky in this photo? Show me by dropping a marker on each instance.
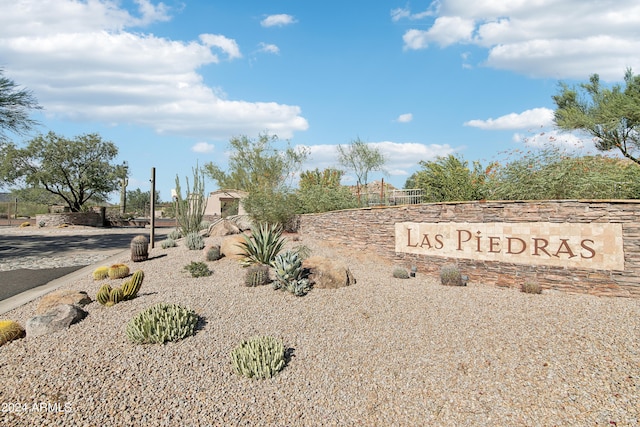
(171, 82)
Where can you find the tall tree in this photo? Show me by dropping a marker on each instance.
(138, 200)
(610, 115)
(76, 170)
(15, 106)
(255, 163)
(360, 158)
(448, 179)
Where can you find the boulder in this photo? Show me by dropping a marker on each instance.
(325, 273)
(243, 222)
(222, 227)
(59, 318)
(63, 296)
(230, 246)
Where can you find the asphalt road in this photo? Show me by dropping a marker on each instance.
(22, 245)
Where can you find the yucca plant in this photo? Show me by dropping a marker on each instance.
(263, 245)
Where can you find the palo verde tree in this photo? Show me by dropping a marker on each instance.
(320, 191)
(257, 167)
(15, 106)
(76, 170)
(610, 115)
(361, 159)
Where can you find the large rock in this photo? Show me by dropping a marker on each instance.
(62, 296)
(58, 319)
(326, 273)
(223, 227)
(230, 246)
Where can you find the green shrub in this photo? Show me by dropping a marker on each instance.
(168, 243)
(275, 207)
(450, 275)
(400, 273)
(198, 269)
(175, 234)
(290, 275)
(161, 323)
(259, 357)
(263, 245)
(194, 241)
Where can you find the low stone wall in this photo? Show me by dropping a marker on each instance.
(374, 229)
(90, 219)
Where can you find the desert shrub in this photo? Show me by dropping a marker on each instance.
(290, 275)
(450, 275)
(259, 357)
(161, 323)
(400, 273)
(263, 245)
(175, 234)
(274, 207)
(321, 198)
(204, 225)
(198, 269)
(256, 275)
(194, 241)
(530, 287)
(168, 243)
(213, 253)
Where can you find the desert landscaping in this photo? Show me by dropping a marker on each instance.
(382, 351)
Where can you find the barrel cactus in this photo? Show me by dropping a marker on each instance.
(212, 253)
(9, 331)
(104, 293)
(118, 271)
(139, 248)
(131, 287)
(101, 273)
(259, 357)
(161, 323)
(256, 275)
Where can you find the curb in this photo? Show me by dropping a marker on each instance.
(30, 295)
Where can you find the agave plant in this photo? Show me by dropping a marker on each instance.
(263, 245)
(290, 274)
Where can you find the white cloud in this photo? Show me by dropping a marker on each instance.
(82, 64)
(268, 48)
(534, 118)
(405, 118)
(228, 46)
(203, 147)
(535, 38)
(278, 20)
(400, 157)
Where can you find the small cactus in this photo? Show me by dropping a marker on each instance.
(212, 253)
(101, 273)
(131, 287)
(103, 294)
(400, 273)
(450, 275)
(161, 323)
(256, 275)
(139, 248)
(118, 271)
(116, 296)
(259, 357)
(9, 331)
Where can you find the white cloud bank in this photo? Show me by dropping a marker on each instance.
(534, 118)
(544, 38)
(405, 118)
(82, 64)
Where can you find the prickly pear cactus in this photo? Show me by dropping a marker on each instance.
(9, 331)
(118, 271)
(139, 248)
(256, 275)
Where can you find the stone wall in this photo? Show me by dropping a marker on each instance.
(90, 219)
(373, 229)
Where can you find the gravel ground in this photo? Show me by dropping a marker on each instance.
(383, 352)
